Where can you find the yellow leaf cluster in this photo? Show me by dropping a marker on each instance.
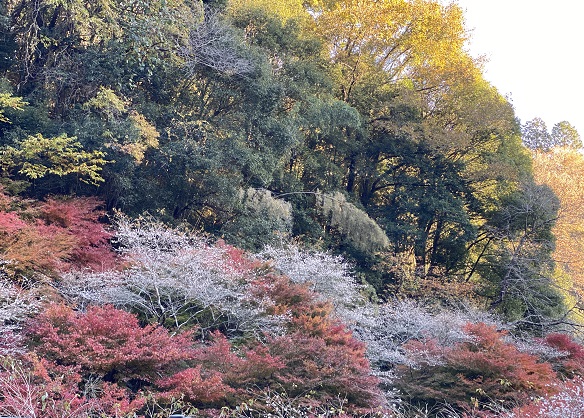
(285, 9)
(419, 40)
(37, 156)
(562, 169)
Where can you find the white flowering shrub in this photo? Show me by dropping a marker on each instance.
(172, 278)
(16, 305)
(327, 275)
(386, 328)
(567, 403)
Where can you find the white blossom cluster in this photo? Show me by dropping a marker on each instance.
(171, 276)
(567, 403)
(329, 276)
(16, 305)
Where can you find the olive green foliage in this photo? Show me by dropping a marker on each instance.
(261, 219)
(351, 222)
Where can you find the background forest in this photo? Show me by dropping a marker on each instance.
(313, 208)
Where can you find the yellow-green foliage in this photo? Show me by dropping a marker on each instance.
(37, 156)
(116, 111)
(8, 101)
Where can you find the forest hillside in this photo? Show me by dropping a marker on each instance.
(258, 208)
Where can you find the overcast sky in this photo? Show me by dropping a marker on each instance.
(535, 52)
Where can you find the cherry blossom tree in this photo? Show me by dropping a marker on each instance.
(173, 278)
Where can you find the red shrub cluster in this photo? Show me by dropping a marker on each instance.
(319, 354)
(316, 356)
(53, 235)
(572, 362)
(473, 373)
(109, 343)
(80, 219)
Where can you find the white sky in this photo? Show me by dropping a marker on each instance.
(535, 54)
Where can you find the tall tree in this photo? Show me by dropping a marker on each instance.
(565, 135)
(562, 169)
(535, 135)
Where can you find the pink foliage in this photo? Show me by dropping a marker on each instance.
(319, 353)
(10, 223)
(80, 218)
(108, 342)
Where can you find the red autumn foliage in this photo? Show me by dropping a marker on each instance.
(10, 223)
(26, 245)
(316, 355)
(196, 386)
(572, 363)
(221, 375)
(109, 343)
(116, 401)
(238, 260)
(54, 235)
(294, 299)
(80, 219)
(250, 366)
(331, 365)
(319, 354)
(476, 372)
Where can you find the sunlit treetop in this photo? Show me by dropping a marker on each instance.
(285, 9)
(406, 39)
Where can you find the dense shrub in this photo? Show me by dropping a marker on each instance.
(474, 373)
(108, 343)
(571, 362)
(58, 234)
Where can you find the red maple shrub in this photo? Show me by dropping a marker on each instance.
(319, 354)
(53, 235)
(316, 356)
(79, 217)
(199, 387)
(571, 364)
(26, 246)
(109, 343)
(224, 375)
(474, 373)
